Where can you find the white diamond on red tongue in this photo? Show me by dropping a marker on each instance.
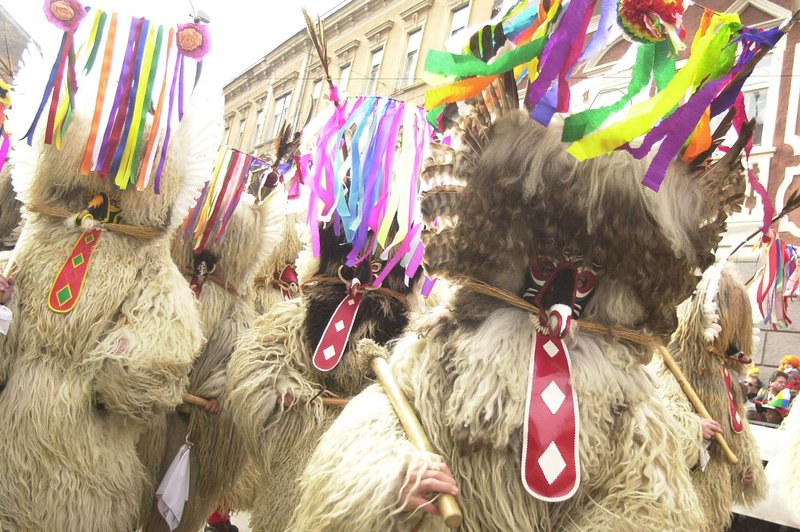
(550, 460)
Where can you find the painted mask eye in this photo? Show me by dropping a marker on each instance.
(585, 284)
(376, 266)
(542, 269)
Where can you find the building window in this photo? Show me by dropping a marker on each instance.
(459, 21)
(226, 137)
(344, 78)
(755, 103)
(374, 72)
(316, 93)
(242, 123)
(412, 55)
(279, 114)
(262, 114)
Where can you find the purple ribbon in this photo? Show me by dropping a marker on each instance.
(560, 47)
(136, 79)
(180, 90)
(608, 13)
(195, 212)
(676, 128)
(127, 63)
(4, 151)
(163, 154)
(47, 90)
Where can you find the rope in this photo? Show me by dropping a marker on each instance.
(214, 279)
(135, 231)
(378, 289)
(589, 326)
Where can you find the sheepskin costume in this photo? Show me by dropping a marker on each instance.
(272, 362)
(465, 367)
(78, 388)
(267, 290)
(10, 207)
(716, 327)
(791, 475)
(226, 310)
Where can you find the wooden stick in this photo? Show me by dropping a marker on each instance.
(335, 401)
(195, 400)
(448, 506)
(695, 400)
(190, 399)
(9, 267)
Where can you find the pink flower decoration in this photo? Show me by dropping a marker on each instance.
(192, 40)
(66, 14)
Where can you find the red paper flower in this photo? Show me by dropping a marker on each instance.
(66, 14)
(644, 20)
(192, 40)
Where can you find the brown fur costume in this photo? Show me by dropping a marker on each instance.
(273, 360)
(79, 388)
(718, 317)
(465, 366)
(226, 310)
(10, 215)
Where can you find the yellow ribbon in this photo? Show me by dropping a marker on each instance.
(642, 116)
(123, 173)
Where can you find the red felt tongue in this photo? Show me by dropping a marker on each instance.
(550, 460)
(736, 419)
(331, 346)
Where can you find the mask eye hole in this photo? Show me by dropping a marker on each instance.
(272, 180)
(732, 351)
(376, 266)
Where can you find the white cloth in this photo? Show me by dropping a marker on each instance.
(174, 488)
(5, 319)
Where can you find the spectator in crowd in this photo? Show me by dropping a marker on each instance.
(777, 383)
(774, 411)
(752, 384)
(790, 364)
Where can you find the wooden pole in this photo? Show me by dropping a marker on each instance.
(448, 505)
(695, 400)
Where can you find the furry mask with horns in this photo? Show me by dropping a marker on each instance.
(530, 217)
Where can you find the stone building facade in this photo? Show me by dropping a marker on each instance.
(374, 47)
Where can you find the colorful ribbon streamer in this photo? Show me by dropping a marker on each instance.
(361, 162)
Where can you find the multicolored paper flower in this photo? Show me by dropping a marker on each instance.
(66, 14)
(649, 20)
(192, 40)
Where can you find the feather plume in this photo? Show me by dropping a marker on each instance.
(316, 32)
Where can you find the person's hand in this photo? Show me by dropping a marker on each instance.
(709, 428)
(6, 289)
(433, 479)
(747, 479)
(212, 406)
(285, 401)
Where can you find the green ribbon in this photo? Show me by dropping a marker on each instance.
(464, 66)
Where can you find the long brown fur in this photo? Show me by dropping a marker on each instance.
(273, 360)
(721, 485)
(10, 209)
(465, 366)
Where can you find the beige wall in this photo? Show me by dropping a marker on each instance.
(354, 32)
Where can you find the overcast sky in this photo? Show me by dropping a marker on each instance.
(242, 31)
